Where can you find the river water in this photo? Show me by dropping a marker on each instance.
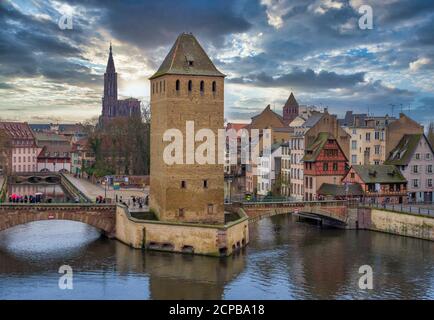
(284, 260)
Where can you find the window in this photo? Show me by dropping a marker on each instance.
(335, 166)
(415, 183)
(429, 168)
(202, 86)
(177, 85)
(160, 86)
(210, 208)
(427, 156)
(354, 159)
(377, 135)
(429, 183)
(181, 212)
(183, 184)
(417, 156)
(377, 149)
(354, 131)
(325, 166)
(214, 87)
(368, 136)
(352, 175)
(415, 169)
(190, 85)
(354, 144)
(205, 184)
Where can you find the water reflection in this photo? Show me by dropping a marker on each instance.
(285, 260)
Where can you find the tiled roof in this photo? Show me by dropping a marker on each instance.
(18, 130)
(379, 173)
(291, 101)
(402, 153)
(187, 57)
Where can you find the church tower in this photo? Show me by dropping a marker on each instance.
(186, 87)
(110, 97)
(290, 109)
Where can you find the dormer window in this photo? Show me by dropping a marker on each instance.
(190, 63)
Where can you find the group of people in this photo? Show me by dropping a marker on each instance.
(100, 199)
(15, 198)
(134, 201)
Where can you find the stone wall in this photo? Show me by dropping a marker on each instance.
(215, 240)
(409, 225)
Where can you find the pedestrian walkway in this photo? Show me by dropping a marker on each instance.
(94, 190)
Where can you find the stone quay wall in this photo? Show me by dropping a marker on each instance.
(213, 240)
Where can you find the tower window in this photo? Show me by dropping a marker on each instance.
(177, 85)
(160, 86)
(183, 184)
(205, 184)
(181, 212)
(164, 85)
(202, 86)
(153, 87)
(214, 86)
(210, 208)
(190, 85)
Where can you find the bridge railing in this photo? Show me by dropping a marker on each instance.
(68, 185)
(404, 208)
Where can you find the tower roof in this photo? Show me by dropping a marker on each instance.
(187, 57)
(291, 101)
(110, 63)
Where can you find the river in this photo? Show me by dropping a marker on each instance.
(284, 260)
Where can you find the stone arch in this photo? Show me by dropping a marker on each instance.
(102, 217)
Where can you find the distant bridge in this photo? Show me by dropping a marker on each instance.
(335, 212)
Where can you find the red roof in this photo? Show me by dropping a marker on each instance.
(17, 130)
(236, 126)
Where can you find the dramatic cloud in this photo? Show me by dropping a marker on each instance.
(267, 48)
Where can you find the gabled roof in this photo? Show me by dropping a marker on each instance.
(379, 173)
(328, 189)
(265, 111)
(18, 130)
(314, 149)
(403, 152)
(187, 57)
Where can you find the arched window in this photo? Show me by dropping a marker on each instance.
(214, 86)
(190, 85)
(202, 86)
(177, 85)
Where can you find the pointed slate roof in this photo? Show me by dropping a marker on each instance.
(110, 63)
(291, 101)
(187, 57)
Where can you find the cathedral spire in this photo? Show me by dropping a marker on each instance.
(110, 63)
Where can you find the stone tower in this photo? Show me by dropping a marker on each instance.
(110, 97)
(290, 109)
(186, 87)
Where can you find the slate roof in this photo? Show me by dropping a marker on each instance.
(314, 149)
(403, 152)
(328, 189)
(187, 57)
(379, 173)
(312, 120)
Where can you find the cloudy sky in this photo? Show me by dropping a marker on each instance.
(267, 48)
